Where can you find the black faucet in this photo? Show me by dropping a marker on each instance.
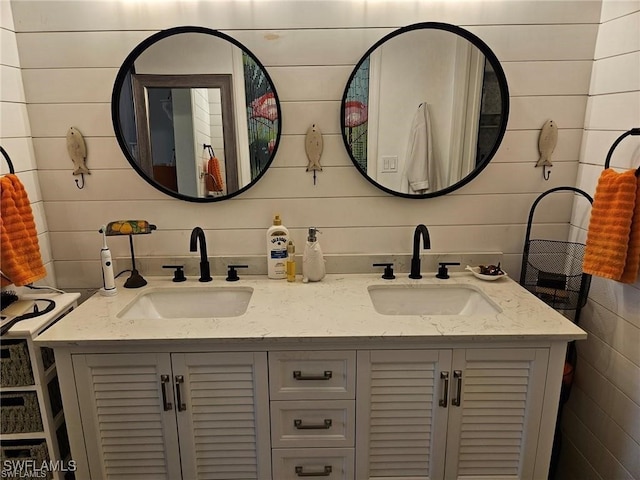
(198, 234)
(415, 259)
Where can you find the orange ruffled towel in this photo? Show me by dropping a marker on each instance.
(613, 239)
(213, 181)
(20, 256)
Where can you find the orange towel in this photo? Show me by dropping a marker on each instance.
(632, 265)
(613, 239)
(20, 255)
(214, 181)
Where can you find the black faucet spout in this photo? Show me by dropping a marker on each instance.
(423, 231)
(197, 236)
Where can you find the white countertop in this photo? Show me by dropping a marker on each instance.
(33, 326)
(337, 308)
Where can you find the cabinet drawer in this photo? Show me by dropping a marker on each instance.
(326, 463)
(312, 375)
(313, 423)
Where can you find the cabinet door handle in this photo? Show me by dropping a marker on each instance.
(326, 425)
(179, 381)
(297, 374)
(324, 473)
(444, 401)
(164, 379)
(457, 374)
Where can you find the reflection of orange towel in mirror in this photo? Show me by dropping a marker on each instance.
(213, 180)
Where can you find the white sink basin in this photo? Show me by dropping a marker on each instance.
(196, 302)
(431, 300)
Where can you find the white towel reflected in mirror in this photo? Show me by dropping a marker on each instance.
(421, 171)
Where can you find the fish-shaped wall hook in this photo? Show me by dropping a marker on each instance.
(77, 151)
(547, 143)
(313, 147)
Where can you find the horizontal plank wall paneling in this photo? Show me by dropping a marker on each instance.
(601, 424)
(85, 245)
(70, 52)
(344, 212)
(98, 15)
(342, 181)
(15, 136)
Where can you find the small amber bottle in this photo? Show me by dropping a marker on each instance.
(291, 262)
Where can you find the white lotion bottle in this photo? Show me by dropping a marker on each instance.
(313, 267)
(277, 242)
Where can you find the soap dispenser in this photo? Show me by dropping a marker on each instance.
(313, 268)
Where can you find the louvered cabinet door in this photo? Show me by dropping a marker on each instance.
(400, 425)
(493, 432)
(223, 421)
(127, 431)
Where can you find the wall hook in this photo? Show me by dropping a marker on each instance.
(546, 173)
(78, 183)
(313, 145)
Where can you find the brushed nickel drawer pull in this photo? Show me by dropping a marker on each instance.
(297, 374)
(164, 379)
(445, 391)
(181, 406)
(312, 426)
(457, 374)
(324, 473)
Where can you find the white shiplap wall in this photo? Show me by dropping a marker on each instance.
(70, 52)
(601, 421)
(15, 134)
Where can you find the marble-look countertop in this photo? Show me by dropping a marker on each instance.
(337, 308)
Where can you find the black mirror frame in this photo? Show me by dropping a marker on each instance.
(502, 82)
(127, 66)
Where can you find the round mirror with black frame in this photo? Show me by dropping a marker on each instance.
(196, 114)
(424, 110)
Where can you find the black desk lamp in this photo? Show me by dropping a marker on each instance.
(131, 228)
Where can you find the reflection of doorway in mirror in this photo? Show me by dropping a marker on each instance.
(174, 120)
(209, 139)
(468, 76)
(162, 139)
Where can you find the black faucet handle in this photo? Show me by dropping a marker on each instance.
(442, 269)
(232, 274)
(178, 274)
(388, 270)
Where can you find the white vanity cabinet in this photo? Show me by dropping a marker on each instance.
(174, 415)
(333, 389)
(353, 414)
(459, 413)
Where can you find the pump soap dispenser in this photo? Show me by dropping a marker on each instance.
(313, 268)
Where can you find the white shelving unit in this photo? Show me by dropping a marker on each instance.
(48, 432)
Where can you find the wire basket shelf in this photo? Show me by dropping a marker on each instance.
(553, 273)
(552, 269)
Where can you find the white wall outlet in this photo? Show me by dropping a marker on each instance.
(389, 164)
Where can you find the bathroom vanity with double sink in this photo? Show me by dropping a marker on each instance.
(353, 377)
